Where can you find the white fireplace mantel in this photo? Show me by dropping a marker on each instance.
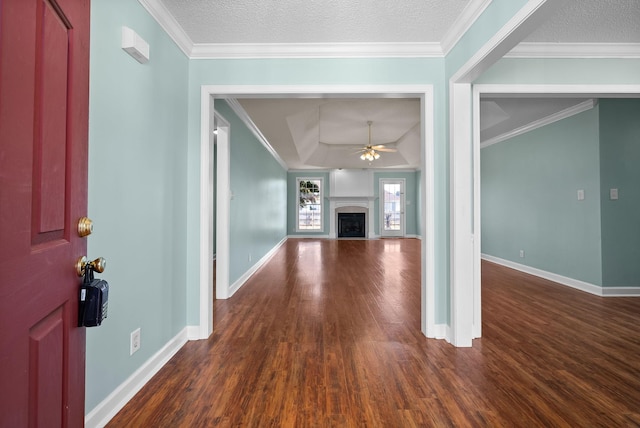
(352, 199)
(364, 202)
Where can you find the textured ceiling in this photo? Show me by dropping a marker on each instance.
(592, 21)
(319, 21)
(385, 21)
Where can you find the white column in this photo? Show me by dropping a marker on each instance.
(462, 262)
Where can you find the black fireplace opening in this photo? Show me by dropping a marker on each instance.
(351, 225)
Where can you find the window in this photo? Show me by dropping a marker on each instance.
(310, 203)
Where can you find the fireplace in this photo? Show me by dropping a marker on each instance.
(351, 225)
(362, 205)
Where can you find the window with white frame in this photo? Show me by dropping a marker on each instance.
(310, 204)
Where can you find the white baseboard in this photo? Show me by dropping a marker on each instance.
(438, 331)
(569, 282)
(193, 332)
(308, 236)
(621, 291)
(240, 282)
(107, 409)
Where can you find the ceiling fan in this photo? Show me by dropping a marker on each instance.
(369, 152)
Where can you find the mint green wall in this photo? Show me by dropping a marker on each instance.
(360, 71)
(529, 198)
(411, 199)
(316, 71)
(494, 17)
(137, 192)
(258, 211)
(292, 199)
(563, 71)
(619, 169)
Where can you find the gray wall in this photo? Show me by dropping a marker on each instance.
(529, 202)
(620, 169)
(529, 198)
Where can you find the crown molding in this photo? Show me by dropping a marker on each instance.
(562, 114)
(242, 114)
(469, 15)
(315, 50)
(161, 14)
(163, 17)
(575, 50)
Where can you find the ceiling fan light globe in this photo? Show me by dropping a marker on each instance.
(369, 153)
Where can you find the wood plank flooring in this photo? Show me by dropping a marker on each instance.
(327, 334)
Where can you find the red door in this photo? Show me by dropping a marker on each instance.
(44, 87)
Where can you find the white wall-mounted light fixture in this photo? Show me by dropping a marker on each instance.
(135, 45)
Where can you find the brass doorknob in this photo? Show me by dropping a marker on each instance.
(97, 265)
(85, 227)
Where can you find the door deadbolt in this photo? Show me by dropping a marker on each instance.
(97, 265)
(85, 227)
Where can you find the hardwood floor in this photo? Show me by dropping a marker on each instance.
(327, 334)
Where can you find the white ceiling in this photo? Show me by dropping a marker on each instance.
(297, 128)
(327, 133)
(385, 21)
(319, 21)
(592, 21)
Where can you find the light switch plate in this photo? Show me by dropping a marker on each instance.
(581, 195)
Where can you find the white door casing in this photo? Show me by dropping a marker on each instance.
(208, 95)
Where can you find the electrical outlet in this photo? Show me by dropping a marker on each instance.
(613, 194)
(522, 253)
(135, 341)
(249, 256)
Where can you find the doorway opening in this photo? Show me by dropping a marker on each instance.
(521, 91)
(208, 95)
(392, 207)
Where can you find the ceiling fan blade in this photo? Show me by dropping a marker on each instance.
(384, 149)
